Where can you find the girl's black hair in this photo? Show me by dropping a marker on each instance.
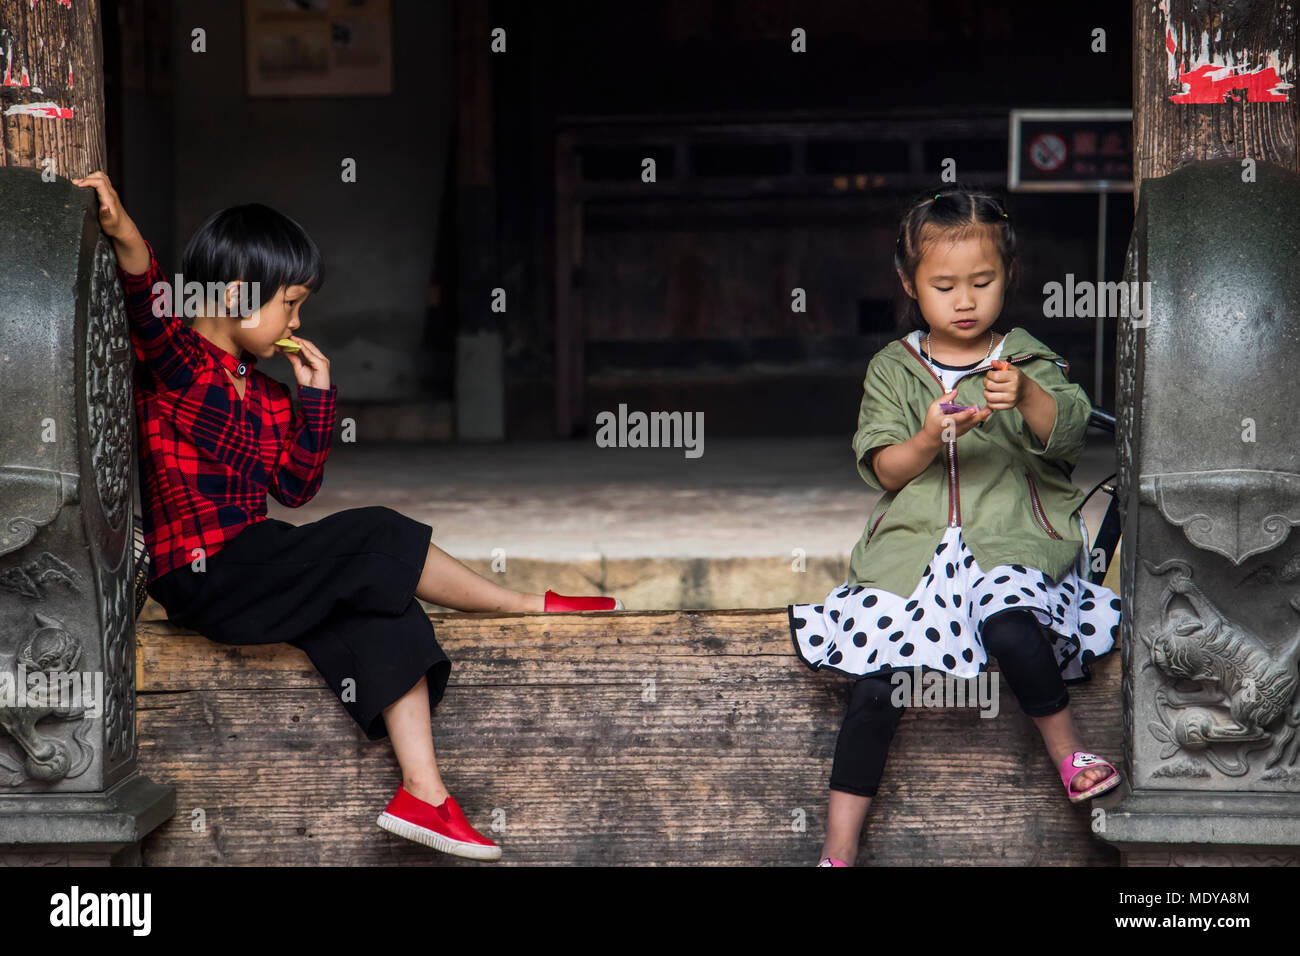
(956, 211)
(254, 243)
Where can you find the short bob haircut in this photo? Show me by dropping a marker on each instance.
(253, 243)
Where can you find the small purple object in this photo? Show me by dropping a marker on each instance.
(948, 408)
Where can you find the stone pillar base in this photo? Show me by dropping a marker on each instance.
(1189, 828)
(83, 829)
(1211, 856)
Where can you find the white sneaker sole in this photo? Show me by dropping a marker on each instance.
(405, 828)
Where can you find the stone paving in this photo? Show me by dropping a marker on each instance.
(650, 525)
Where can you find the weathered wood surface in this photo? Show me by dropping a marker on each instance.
(1251, 38)
(52, 58)
(551, 725)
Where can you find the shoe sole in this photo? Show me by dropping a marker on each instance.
(618, 606)
(412, 831)
(1106, 786)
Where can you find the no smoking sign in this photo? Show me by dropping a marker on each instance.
(1047, 152)
(1070, 151)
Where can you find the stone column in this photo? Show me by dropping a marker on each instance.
(1208, 444)
(69, 790)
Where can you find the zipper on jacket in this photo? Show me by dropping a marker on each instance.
(1037, 505)
(954, 485)
(954, 509)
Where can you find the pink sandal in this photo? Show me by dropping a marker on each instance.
(831, 861)
(1075, 764)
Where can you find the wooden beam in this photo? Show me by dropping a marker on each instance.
(683, 737)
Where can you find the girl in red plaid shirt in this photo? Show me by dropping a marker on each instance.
(216, 436)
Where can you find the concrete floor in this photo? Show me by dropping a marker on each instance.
(651, 526)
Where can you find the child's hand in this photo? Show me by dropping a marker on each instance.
(314, 372)
(1004, 387)
(132, 252)
(112, 217)
(937, 420)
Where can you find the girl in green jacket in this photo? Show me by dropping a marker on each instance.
(995, 589)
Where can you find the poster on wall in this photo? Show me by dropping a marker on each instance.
(318, 47)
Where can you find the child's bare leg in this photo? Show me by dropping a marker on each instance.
(409, 727)
(448, 583)
(1061, 740)
(844, 821)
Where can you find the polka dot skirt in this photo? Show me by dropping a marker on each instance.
(860, 630)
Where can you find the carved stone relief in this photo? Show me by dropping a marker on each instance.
(1245, 699)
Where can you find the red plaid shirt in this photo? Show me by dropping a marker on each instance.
(207, 457)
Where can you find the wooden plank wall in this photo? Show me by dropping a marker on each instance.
(683, 737)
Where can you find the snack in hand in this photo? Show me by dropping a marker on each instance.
(287, 345)
(948, 408)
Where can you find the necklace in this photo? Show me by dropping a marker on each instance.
(930, 355)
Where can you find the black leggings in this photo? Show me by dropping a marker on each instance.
(1025, 658)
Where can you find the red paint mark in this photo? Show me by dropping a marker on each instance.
(44, 110)
(70, 76)
(1210, 83)
(9, 80)
(9, 70)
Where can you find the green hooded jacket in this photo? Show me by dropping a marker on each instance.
(1013, 497)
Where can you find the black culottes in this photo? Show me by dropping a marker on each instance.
(342, 589)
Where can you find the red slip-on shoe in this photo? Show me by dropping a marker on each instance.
(561, 602)
(443, 827)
